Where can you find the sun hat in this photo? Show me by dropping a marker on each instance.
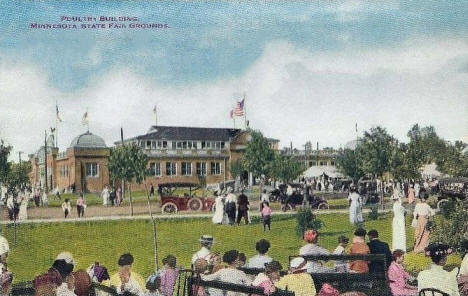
(310, 235)
(206, 239)
(67, 256)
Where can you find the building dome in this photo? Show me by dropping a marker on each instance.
(88, 140)
(352, 144)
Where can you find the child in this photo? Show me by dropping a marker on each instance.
(66, 207)
(153, 285)
(266, 216)
(80, 205)
(169, 275)
(340, 265)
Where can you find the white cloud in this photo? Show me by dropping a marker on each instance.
(292, 94)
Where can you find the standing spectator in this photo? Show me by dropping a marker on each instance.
(417, 188)
(436, 277)
(66, 207)
(259, 260)
(169, 275)
(264, 198)
(311, 248)
(45, 199)
(11, 207)
(397, 276)
(219, 215)
(80, 206)
(206, 242)
(298, 280)
(411, 195)
(421, 214)
(355, 207)
(359, 247)
(267, 279)
(266, 216)
(152, 190)
(230, 274)
(126, 280)
(378, 247)
(398, 225)
(243, 207)
(231, 201)
(113, 196)
(341, 265)
(37, 198)
(119, 196)
(105, 196)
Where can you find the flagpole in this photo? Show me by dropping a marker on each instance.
(87, 119)
(156, 113)
(245, 113)
(56, 124)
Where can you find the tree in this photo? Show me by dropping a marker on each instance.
(284, 168)
(377, 149)
(128, 163)
(452, 226)
(452, 160)
(406, 161)
(5, 165)
(237, 168)
(18, 178)
(258, 154)
(349, 163)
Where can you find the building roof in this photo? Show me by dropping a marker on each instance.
(88, 140)
(188, 133)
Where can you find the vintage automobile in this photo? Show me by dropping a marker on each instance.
(367, 189)
(171, 202)
(456, 187)
(297, 199)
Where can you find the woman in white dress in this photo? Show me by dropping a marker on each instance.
(218, 217)
(398, 225)
(105, 196)
(355, 207)
(23, 210)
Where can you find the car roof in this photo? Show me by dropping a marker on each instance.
(181, 184)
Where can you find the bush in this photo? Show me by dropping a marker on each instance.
(374, 213)
(452, 227)
(306, 220)
(416, 262)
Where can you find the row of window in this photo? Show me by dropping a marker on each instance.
(64, 171)
(185, 168)
(182, 144)
(321, 163)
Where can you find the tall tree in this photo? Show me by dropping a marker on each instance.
(377, 149)
(128, 163)
(285, 168)
(349, 163)
(453, 159)
(18, 178)
(258, 154)
(5, 165)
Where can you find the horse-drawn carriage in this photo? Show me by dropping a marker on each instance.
(289, 202)
(453, 188)
(177, 197)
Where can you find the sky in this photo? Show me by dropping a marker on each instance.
(310, 70)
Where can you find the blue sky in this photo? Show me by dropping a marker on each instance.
(295, 53)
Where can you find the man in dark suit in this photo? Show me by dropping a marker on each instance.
(378, 247)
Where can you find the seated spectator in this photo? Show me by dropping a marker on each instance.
(6, 278)
(259, 260)
(378, 247)
(200, 267)
(311, 248)
(127, 280)
(341, 265)
(359, 247)
(153, 285)
(267, 279)
(47, 283)
(463, 274)
(217, 262)
(168, 276)
(242, 259)
(398, 277)
(298, 280)
(436, 277)
(230, 274)
(67, 287)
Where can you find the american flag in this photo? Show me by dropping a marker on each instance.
(231, 113)
(58, 115)
(85, 119)
(239, 109)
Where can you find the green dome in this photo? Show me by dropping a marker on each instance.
(88, 140)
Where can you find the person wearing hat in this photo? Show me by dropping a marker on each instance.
(126, 280)
(398, 277)
(230, 274)
(311, 248)
(421, 214)
(341, 265)
(57, 276)
(230, 206)
(355, 206)
(298, 280)
(259, 260)
(219, 215)
(267, 279)
(359, 247)
(398, 224)
(436, 277)
(153, 285)
(242, 208)
(206, 242)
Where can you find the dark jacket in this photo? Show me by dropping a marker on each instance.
(378, 247)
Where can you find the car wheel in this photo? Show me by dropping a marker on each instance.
(195, 204)
(441, 203)
(323, 206)
(169, 208)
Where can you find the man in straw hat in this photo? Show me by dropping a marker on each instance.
(206, 242)
(436, 277)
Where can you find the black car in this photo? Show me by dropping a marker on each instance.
(454, 188)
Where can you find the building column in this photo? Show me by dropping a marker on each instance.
(250, 179)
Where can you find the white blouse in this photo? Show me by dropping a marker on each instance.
(423, 209)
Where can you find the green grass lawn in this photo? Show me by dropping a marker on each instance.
(38, 244)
